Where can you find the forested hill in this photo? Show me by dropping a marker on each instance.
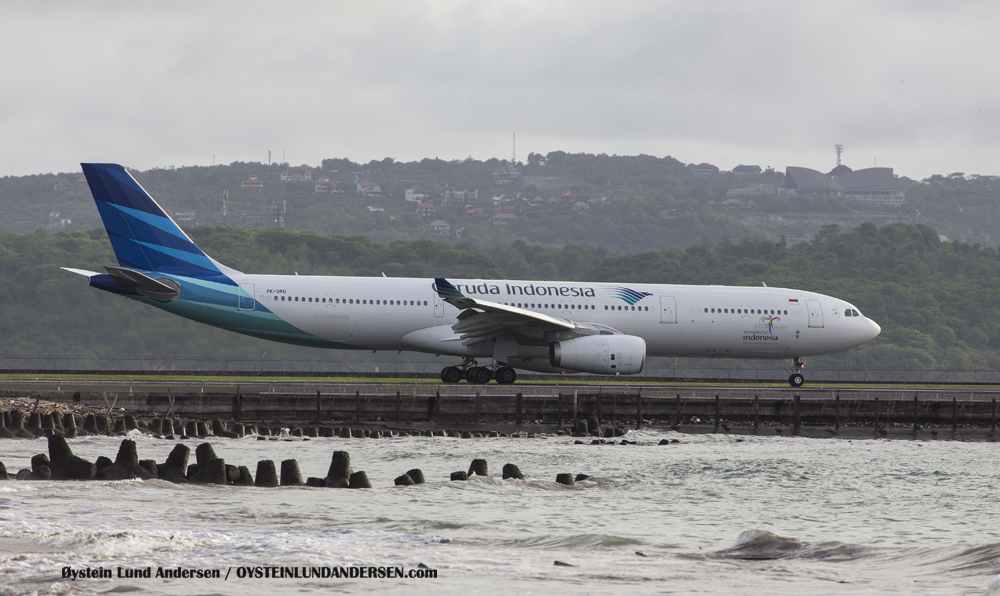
(938, 302)
(624, 203)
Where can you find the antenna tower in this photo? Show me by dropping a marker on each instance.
(225, 208)
(839, 149)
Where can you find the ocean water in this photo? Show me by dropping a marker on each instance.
(713, 514)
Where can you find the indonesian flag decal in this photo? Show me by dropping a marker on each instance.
(795, 300)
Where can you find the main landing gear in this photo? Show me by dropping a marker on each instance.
(478, 375)
(797, 380)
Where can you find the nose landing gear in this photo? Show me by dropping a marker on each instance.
(796, 379)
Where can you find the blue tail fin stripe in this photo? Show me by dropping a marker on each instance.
(126, 226)
(176, 252)
(116, 226)
(157, 236)
(180, 258)
(129, 253)
(157, 221)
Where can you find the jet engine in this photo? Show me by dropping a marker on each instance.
(600, 354)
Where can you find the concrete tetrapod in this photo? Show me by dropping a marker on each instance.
(479, 468)
(566, 479)
(267, 475)
(65, 465)
(512, 471)
(175, 468)
(290, 474)
(126, 465)
(214, 472)
(359, 480)
(339, 474)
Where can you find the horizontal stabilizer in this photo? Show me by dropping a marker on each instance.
(82, 272)
(164, 291)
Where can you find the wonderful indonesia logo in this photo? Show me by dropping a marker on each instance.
(764, 324)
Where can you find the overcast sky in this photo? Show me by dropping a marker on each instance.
(911, 84)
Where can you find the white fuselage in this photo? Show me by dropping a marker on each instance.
(674, 320)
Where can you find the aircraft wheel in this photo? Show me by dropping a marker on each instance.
(796, 380)
(451, 374)
(478, 375)
(505, 375)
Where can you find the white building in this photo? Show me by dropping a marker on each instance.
(416, 194)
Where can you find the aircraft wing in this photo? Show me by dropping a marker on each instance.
(481, 320)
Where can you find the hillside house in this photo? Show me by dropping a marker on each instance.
(507, 175)
(459, 197)
(57, 223)
(253, 182)
(325, 186)
(416, 194)
(702, 169)
(874, 185)
(503, 219)
(742, 170)
(426, 210)
(479, 212)
(368, 188)
(439, 228)
(301, 173)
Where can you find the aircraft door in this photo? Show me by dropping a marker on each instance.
(438, 306)
(815, 313)
(668, 309)
(246, 300)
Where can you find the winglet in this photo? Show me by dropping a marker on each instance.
(446, 290)
(450, 294)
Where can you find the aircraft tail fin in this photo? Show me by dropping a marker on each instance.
(142, 235)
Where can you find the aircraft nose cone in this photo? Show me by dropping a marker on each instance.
(874, 330)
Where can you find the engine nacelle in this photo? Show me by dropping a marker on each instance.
(600, 354)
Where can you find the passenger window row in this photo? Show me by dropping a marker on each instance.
(746, 311)
(573, 306)
(354, 301)
(557, 307)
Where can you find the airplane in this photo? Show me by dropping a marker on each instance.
(539, 326)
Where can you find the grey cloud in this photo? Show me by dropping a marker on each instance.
(723, 82)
